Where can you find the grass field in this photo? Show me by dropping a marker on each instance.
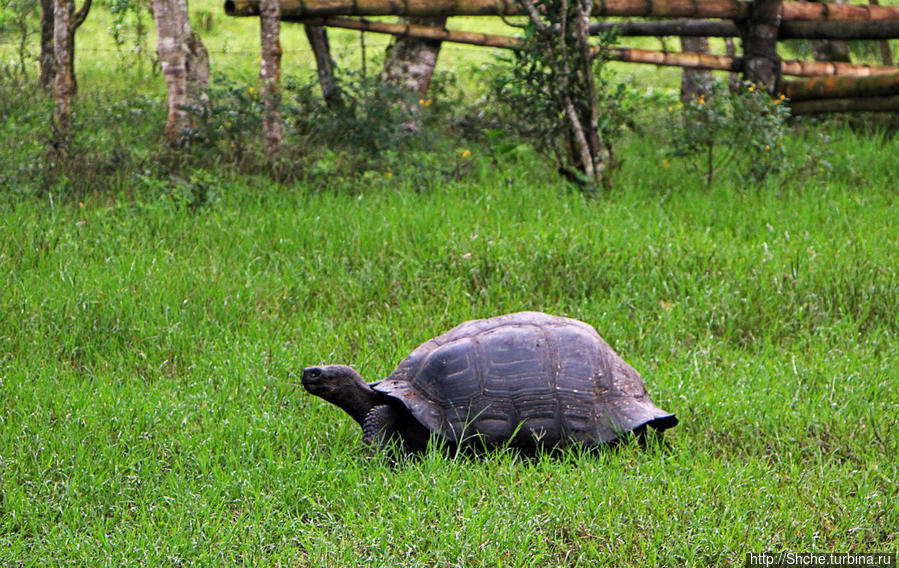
(151, 412)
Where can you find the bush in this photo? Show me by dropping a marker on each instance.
(746, 128)
(555, 91)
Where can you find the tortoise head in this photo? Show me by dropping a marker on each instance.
(343, 386)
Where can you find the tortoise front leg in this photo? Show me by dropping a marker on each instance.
(379, 426)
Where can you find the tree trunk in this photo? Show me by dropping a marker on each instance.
(761, 65)
(64, 82)
(48, 57)
(65, 22)
(410, 62)
(270, 75)
(318, 40)
(185, 65)
(694, 82)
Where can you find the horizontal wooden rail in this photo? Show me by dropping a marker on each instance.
(820, 11)
(415, 31)
(661, 28)
(886, 85)
(674, 59)
(870, 29)
(833, 68)
(849, 104)
(886, 29)
(725, 9)
(428, 8)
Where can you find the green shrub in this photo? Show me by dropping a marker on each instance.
(745, 128)
(555, 92)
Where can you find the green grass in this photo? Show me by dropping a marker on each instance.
(150, 356)
(150, 405)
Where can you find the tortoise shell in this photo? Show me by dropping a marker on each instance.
(529, 378)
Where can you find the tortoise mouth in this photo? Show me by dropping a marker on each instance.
(318, 388)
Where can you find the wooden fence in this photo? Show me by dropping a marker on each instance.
(822, 86)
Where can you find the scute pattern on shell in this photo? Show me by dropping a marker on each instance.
(531, 378)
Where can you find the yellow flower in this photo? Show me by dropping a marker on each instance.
(751, 88)
(389, 175)
(428, 103)
(252, 89)
(782, 96)
(421, 102)
(767, 146)
(466, 153)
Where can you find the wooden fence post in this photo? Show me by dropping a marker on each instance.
(761, 64)
(886, 54)
(694, 82)
(270, 75)
(321, 48)
(410, 62)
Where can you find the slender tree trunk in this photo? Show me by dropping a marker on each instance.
(64, 82)
(171, 19)
(318, 40)
(65, 22)
(410, 62)
(270, 74)
(48, 57)
(185, 65)
(694, 82)
(601, 149)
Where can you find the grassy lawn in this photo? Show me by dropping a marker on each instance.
(151, 411)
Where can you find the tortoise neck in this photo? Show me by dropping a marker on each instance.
(360, 401)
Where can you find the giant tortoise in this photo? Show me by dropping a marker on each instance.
(528, 379)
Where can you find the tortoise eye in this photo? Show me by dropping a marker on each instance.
(314, 373)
